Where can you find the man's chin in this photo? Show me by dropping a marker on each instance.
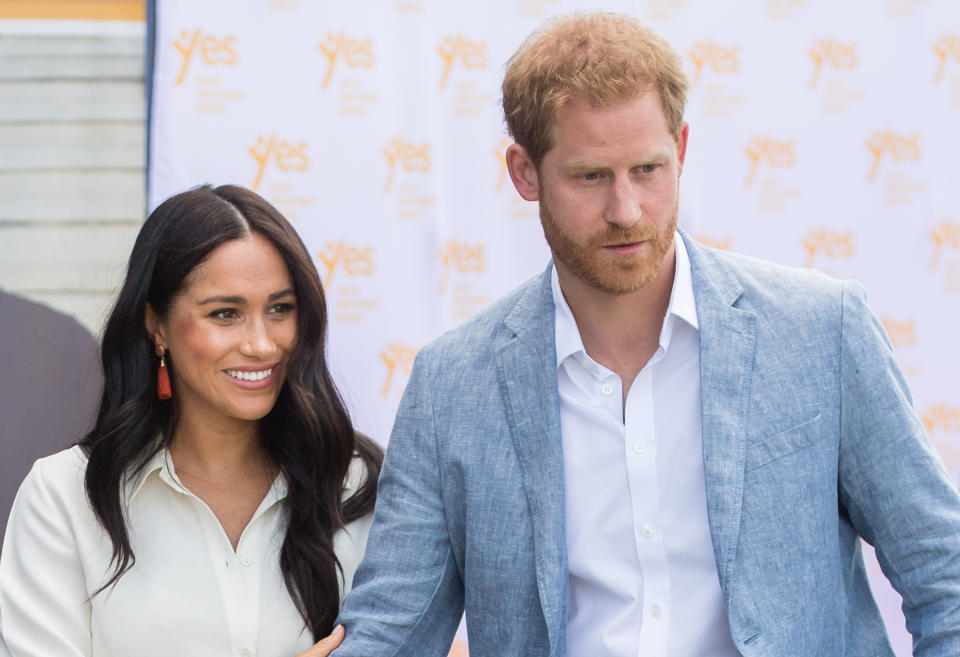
(618, 282)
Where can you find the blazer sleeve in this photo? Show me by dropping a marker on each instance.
(407, 597)
(44, 606)
(893, 484)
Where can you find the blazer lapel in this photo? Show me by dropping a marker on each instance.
(527, 371)
(727, 348)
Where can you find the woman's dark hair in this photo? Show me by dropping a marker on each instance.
(308, 433)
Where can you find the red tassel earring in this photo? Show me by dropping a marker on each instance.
(163, 377)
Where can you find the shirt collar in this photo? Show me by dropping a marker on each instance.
(135, 483)
(162, 464)
(682, 306)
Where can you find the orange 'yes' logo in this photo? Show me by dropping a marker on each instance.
(464, 258)
(355, 53)
(945, 235)
(408, 156)
(211, 49)
(719, 59)
(396, 355)
(941, 417)
(472, 54)
(901, 333)
(773, 153)
(286, 155)
(831, 244)
(352, 260)
(902, 148)
(834, 54)
(947, 47)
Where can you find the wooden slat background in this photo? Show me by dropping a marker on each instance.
(72, 167)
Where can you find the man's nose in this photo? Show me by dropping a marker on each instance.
(623, 203)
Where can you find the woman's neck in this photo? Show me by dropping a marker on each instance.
(218, 452)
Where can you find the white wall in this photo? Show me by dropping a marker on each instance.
(72, 159)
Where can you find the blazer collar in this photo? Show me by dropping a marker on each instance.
(727, 349)
(527, 372)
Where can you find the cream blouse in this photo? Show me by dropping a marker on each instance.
(188, 594)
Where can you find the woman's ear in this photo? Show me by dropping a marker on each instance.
(151, 322)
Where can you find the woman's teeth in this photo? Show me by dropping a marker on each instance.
(250, 376)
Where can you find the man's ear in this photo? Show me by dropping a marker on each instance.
(523, 172)
(682, 146)
(154, 328)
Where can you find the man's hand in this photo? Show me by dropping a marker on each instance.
(324, 647)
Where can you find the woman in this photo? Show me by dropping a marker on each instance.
(221, 502)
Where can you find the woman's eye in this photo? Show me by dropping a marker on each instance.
(281, 309)
(225, 314)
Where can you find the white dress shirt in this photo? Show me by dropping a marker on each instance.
(643, 578)
(189, 592)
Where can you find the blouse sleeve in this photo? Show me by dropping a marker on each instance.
(44, 605)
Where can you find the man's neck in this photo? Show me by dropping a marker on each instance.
(620, 331)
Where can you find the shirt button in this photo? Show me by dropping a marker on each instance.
(639, 447)
(606, 389)
(246, 561)
(244, 652)
(648, 532)
(656, 611)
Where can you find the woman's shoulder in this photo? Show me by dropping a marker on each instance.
(61, 473)
(53, 494)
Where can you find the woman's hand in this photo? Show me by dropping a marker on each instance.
(324, 647)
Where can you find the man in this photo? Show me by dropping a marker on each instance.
(654, 448)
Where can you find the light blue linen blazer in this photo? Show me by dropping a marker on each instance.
(810, 441)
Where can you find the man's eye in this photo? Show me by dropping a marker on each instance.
(648, 168)
(591, 175)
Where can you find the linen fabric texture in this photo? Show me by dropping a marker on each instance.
(810, 442)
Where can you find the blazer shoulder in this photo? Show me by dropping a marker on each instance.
(766, 285)
(479, 336)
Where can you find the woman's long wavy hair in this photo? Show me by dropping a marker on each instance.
(308, 434)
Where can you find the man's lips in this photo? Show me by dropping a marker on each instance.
(625, 248)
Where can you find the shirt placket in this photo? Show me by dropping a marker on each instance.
(237, 572)
(640, 453)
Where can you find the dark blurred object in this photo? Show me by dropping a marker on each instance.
(49, 388)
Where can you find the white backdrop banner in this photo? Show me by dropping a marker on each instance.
(822, 135)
